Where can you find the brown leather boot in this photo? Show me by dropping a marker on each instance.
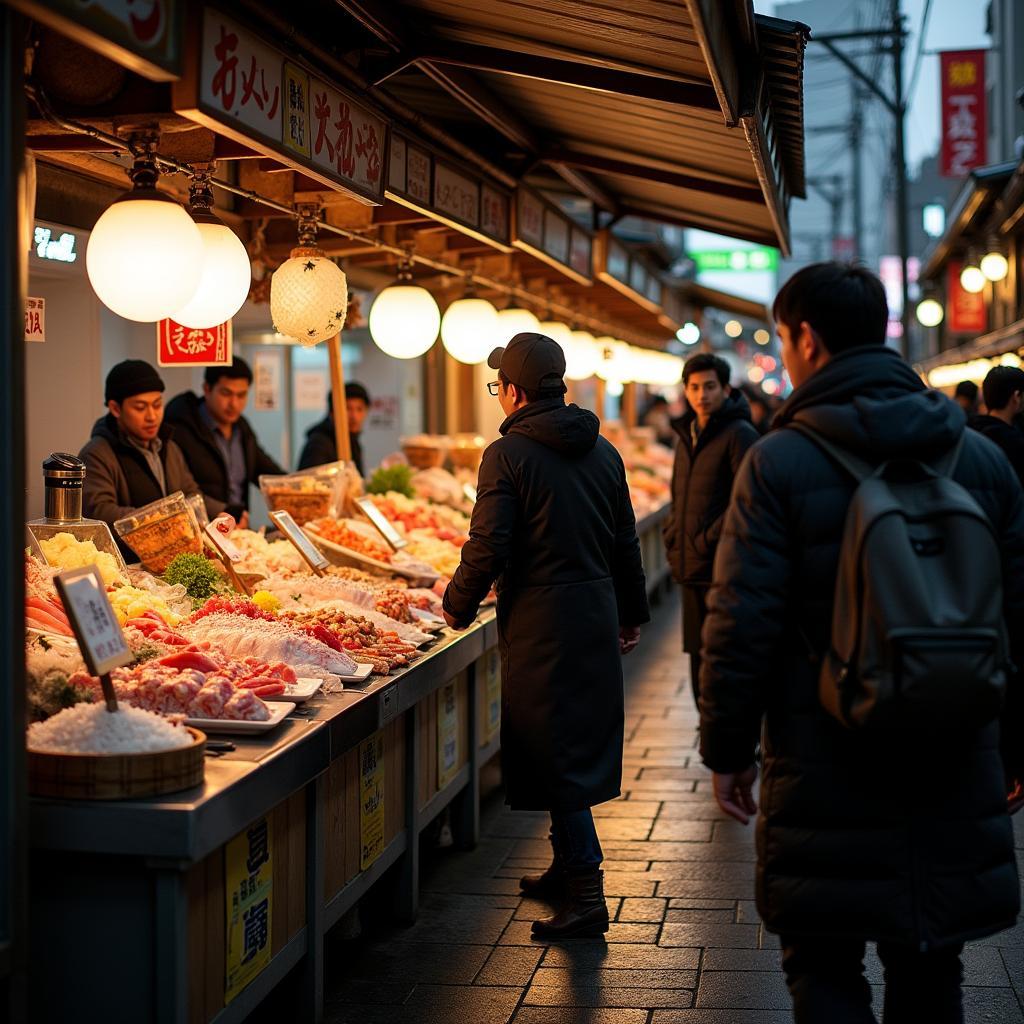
(585, 912)
(550, 884)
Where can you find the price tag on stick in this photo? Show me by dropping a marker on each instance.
(384, 527)
(312, 555)
(95, 626)
(228, 553)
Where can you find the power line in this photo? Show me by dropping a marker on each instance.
(919, 54)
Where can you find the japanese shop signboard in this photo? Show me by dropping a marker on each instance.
(965, 311)
(249, 890)
(191, 346)
(428, 183)
(627, 272)
(543, 230)
(964, 122)
(144, 37)
(244, 87)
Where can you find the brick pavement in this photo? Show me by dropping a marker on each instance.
(686, 945)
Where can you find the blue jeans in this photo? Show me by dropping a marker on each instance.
(575, 841)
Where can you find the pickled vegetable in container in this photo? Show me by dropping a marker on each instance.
(160, 530)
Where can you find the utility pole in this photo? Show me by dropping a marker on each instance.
(856, 142)
(902, 214)
(830, 188)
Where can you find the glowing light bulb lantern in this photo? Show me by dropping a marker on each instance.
(689, 333)
(733, 328)
(513, 321)
(930, 312)
(469, 329)
(582, 356)
(227, 273)
(614, 363)
(308, 292)
(994, 265)
(145, 254)
(971, 278)
(557, 331)
(404, 318)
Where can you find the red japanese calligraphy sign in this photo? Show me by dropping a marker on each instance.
(177, 345)
(964, 122)
(965, 310)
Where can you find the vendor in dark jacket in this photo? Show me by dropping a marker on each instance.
(714, 435)
(553, 524)
(904, 842)
(321, 445)
(130, 459)
(1004, 398)
(219, 445)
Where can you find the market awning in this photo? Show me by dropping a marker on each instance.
(996, 343)
(702, 296)
(686, 113)
(968, 215)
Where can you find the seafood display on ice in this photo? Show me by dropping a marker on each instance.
(91, 729)
(383, 651)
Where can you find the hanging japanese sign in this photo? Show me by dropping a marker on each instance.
(144, 37)
(245, 88)
(964, 120)
(192, 346)
(371, 800)
(428, 183)
(546, 232)
(248, 886)
(965, 311)
(35, 319)
(627, 272)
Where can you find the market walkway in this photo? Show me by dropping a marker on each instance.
(686, 945)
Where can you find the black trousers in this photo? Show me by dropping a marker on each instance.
(827, 983)
(695, 611)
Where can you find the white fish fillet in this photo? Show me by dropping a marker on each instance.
(239, 636)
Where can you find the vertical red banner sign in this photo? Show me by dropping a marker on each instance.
(965, 311)
(964, 121)
(187, 346)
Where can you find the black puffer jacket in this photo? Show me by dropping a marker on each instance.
(554, 525)
(907, 841)
(321, 446)
(701, 484)
(1009, 438)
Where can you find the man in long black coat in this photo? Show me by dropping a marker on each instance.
(906, 842)
(553, 524)
(714, 435)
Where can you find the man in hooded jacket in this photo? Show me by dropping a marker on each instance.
(903, 842)
(553, 524)
(714, 435)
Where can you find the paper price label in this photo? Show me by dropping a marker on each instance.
(305, 547)
(384, 527)
(92, 619)
(222, 543)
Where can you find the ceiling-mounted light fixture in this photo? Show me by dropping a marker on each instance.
(469, 328)
(404, 318)
(971, 278)
(515, 320)
(145, 254)
(557, 331)
(994, 264)
(689, 333)
(227, 272)
(308, 292)
(733, 328)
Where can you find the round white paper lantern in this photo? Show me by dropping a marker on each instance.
(469, 329)
(930, 312)
(557, 331)
(145, 256)
(308, 297)
(994, 265)
(404, 321)
(581, 356)
(972, 279)
(513, 321)
(226, 276)
(614, 361)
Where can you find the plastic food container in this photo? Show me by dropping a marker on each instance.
(306, 496)
(425, 451)
(73, 545)
(466, 451)
(159, 531)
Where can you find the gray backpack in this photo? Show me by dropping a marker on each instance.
(918, 636)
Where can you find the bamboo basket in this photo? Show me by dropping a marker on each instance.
(117, 776)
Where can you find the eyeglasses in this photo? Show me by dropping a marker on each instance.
(492, 388)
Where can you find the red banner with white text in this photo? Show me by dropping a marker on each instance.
(964, 121)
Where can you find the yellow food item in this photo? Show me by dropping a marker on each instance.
(266, 601)
(66, 551)
(130, 602)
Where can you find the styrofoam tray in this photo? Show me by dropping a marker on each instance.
(361, 673)
(300, 690)
(339, 554)
(279, 711)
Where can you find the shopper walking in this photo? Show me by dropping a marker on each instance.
(1004, 398)
(900, 838)
(553, 524)
(714, 435)
(321, 446)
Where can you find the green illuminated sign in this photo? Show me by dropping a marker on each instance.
(763, 258)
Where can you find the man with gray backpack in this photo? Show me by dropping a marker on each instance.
(868, 594)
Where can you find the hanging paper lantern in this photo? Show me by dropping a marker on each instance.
(404, 320)
(308, 297)
(227, 272)
(581, 356)
(469, 330)
(145, 254)
(513, 321)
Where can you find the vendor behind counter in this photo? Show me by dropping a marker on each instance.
(130, 460)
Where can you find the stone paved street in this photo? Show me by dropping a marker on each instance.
(686, 945)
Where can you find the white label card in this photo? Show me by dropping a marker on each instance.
(92, 619)
(386, 530)
(305, 547)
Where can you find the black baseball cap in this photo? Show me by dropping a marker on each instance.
(531, 361)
